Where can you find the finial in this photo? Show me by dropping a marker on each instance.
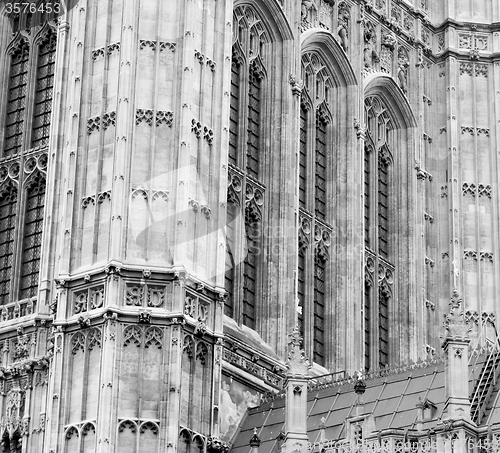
(255, 440)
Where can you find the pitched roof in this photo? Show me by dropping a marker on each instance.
(391, 397)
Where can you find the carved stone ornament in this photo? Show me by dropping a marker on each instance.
(455, 323)
(215, 445)
(297, 363)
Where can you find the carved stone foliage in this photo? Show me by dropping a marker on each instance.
(476, 69)
(96, 123)
(195, 349)
(145, 295)
(109, 50)
(482, 190)
(455, 323)
(139, 336)
(322, 241)
(87, 299)
(151, 117)
(86, 340)
(145, 44)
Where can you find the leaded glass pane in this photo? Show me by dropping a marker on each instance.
(32, 243)
(16, 100)
(320, 170)
(44, 91)
(383, 319)
(319, 311)
(234, 112)
(253, 124)
(303, 158)
(8, 201)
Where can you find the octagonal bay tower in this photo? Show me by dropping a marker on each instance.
(182, 182)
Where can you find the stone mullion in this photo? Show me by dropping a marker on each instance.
(454, 190)
(353, 171)
(107, 415)
(100, 149)
(69, 160)
(51, 209)
(30, 94)
(154, 106)
(418, 334)
(495, 144)
(174, 372)
(477, 217)
(55, 430)
(124, 128)
(223, 30)
(184, 105)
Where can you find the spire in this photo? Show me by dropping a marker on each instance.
(297, 362)
(455, 324)
(456, 349)
(255, 442)
(296, 396)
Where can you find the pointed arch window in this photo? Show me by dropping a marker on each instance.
(379, 265)
(23, 142)
(32, 241)
(16, 99)
(246, 190)
(316, 140)
(8, 207)
(43, 91)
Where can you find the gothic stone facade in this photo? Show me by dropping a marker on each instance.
(348, 148)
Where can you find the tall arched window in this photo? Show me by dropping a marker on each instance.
(31, 57)
(16, 98)
(8, 206)
(32, 241)
(43, 91)
(380, 266)
(246, 189)
(315, 145)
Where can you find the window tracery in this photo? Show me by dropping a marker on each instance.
(26, 121)
(379, 265)
(315, 142)
(246, 190)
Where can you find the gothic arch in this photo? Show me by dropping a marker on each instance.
(328, 106)
(272, 17)
(325, 44)
(390, 197)
(384, 86)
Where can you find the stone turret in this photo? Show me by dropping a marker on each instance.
(456, 348)
(296, 397)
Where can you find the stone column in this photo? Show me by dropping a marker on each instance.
(456, 348)
(296, 397)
